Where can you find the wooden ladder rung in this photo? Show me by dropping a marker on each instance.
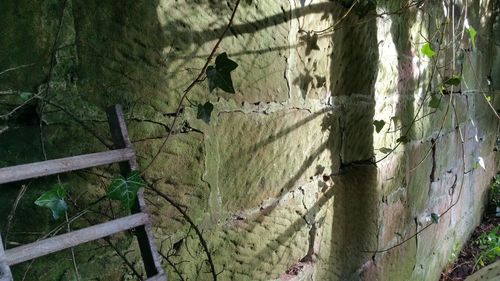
(64, 241)
(57, 166)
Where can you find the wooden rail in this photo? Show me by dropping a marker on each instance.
(5, 274)
(65, 241)
(139, 220)
(52, 167)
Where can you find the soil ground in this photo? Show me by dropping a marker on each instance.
(464, 265)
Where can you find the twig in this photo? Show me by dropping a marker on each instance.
(413, 235)
(77, 274)
(42, 143)
(77, 120)
(124, 258)
(113, 246)
(340, 20)
(193, 225)
(436, 138)
(4, 129)
(172, 265)
(482, 92)
(52, 233)
(68, 223)
(193, 83)
(421, 104)
(8, 114)
(15, 68)
(454, 203)
(8, 93)
(13, 212)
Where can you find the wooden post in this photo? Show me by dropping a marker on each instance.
(144, 234)
(5, 274)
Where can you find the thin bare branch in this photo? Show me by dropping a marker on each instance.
(203, 242)
(193, 83)
(15, 68)
(12, 214)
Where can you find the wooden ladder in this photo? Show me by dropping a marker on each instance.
(139, 220)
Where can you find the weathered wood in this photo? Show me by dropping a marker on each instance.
(51, 245)
(125, 156)
(5, 274)
(119, 133)
(159, 277)
(57, 166)
(144, 234)
(146, 242)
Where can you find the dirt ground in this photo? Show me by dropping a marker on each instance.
(464, 265)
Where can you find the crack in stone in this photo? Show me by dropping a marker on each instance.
(274, 202)
(433, 155)
(136, 119)
(416, 231)
(286, 78)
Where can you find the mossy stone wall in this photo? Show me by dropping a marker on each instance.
(282, 181)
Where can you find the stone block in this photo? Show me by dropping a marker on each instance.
(271, 154)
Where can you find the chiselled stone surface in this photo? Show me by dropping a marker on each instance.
(272, 154)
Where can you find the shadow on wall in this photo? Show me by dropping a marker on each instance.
(123, 57)
(354, 66)
(127, 61)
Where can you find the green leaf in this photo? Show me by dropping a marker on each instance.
(427, 50)
(205, 112)
(454, 80)
(54, 200)
(379, 124)
(435, 218)
(434, 102)
(403, 139)
(25, 96)
(472, 35)
(125, 189)
(475, 165)
(385, 150)
(219, 75)
(441, 89)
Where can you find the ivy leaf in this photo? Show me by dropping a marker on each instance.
(219, 75)
(435, 218)
(427, 50)
(434, 102)
(403, 139)
(472, 35)
(441, 89)
(25, 96)
(454, 80)
(385, 150)
(54, 200)
(379, 124)
(125, 189)
(205, 112)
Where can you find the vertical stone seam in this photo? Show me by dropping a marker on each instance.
(291, 56)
